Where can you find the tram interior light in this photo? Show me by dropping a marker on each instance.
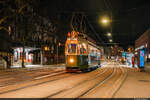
(84, 44)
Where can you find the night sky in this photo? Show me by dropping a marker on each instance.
(130, 18)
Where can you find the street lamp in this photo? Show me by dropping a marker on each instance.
(109, 34)
(104, 21)
(110, 40)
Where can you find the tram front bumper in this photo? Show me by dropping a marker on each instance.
(73, 68)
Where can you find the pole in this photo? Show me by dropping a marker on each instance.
(41, 57)
(57, 53)
(111, 23)
(23, 57)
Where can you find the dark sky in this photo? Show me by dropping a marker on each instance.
(130, 18)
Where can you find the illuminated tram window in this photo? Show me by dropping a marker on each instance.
(83, 49)
(71, 48)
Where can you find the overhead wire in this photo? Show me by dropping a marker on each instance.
(106, 4)
(78, 22)
(94, 31)
(71, 23)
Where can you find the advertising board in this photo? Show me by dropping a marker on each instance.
(141, 58)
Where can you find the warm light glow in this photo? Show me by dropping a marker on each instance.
(84, 44)
(108, 34)
(71, 60)
(105, 21)
(59, 44)
(46, 48)
(110, 40)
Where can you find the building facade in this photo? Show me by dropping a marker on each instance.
(143, 42)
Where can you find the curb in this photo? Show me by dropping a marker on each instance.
(30, 68)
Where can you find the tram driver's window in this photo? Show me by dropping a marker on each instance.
(71, 48)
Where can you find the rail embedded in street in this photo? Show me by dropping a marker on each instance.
(104, 82)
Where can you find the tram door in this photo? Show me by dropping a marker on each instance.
(83, 57)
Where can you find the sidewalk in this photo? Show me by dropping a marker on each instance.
(37, 66)
(34, 67)
(136, 85)
(147, 68)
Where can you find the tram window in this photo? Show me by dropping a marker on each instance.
(71, 48)
(83, 50)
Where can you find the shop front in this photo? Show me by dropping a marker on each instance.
(143, 43)
(29, 58)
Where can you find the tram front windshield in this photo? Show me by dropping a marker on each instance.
(72, 48)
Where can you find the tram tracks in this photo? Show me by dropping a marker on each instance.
(110, 87)
(97, 85)
(82, 82)
(120, 82)
(44, 80)
(31, 83)
(65, 92)
(76, 85)
(16, 79)
(19, 73)
(113, 80)
(27, 75)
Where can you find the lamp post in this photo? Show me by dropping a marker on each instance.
(58, 45)
(57, 53)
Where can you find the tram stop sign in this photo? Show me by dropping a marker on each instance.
(141, 58)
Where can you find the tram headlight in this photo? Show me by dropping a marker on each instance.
(71, 60)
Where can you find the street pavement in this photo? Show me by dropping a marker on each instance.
(111, 80)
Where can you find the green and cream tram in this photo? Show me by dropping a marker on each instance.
(80, 53)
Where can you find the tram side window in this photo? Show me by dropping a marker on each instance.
(72, 48)
(83, 49)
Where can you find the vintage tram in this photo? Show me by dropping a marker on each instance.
(81, 54)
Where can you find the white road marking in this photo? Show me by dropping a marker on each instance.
(47, 75)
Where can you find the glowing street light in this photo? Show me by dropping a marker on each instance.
(108, 34)
(110, 40)
(105, 21)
